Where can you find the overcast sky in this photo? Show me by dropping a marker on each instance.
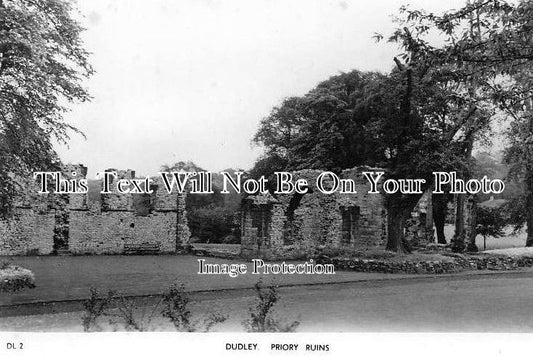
(190, 80)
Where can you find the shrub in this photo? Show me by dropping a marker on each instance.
(15, 278)
(131, 316)
(95, 307)
(173, 305)
(119, 310)
(262, 318)
(490, 222)
(176, 309)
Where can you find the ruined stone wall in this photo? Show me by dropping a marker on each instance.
(298, 224)
(30, 229)
(105, 226)
(109, 231)
(27, 232)
(417, 231)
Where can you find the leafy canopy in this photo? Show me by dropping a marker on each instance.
(42, 67)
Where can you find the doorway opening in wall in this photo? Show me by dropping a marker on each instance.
(261, 217)
(350, 224)
(289, 229)
(61, 226)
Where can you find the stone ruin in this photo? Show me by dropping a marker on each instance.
(290, 225)
(96, 223)
(295, 225)
(419, 229)
(272, 227)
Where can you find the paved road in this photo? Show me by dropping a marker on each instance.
(480, 303)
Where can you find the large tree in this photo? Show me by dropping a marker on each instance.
(519, 155)
(320, 129)
(42, 67)
(422, 117)
(456, 72)
(490, 42)
(399, 122)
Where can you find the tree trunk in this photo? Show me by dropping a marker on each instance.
(458, 239)
(529, 181)
(529, 239)
(398, 210)
(395, 229)
(440, 210)
(472, 233)
(529, 204)
(429, 232)
(399, 207)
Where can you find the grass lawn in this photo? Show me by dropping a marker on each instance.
(510, 239)
(70, 277)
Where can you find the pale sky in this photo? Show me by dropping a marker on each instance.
(190, 80)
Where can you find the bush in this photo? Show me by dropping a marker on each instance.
(176, 309)
(262, 318)
(95, 307)
(118, 309)
(15, 278)
(490, 222)
(173, 305)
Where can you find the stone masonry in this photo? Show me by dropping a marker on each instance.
(290, 226)
(96, 223)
